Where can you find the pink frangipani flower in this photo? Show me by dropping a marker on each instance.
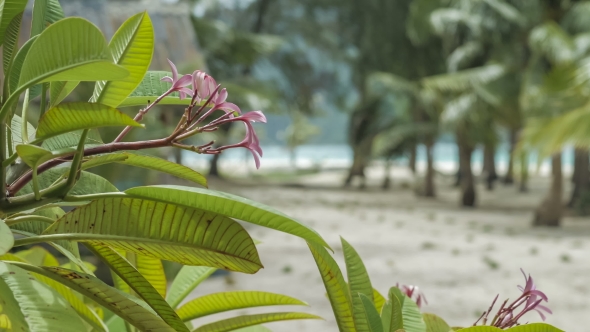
(413, 293)
(179, 84)
(203, 84)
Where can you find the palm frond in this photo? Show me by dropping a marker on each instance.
(576, 18)
(507, 11)
(551, 41)
(381, 82)
(465, 79)
(463, 55)
(447, 19)
(457, 109)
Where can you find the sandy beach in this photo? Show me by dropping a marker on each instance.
(460, 258)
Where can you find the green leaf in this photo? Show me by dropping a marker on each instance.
(411, 317)
(93, 288)
(14, 72)
(534, 327)
(465, 79)
(435, 323)
(165, 231)
(71, 140)
(88, 183)
(220, 302)
(153, 270)
(228, 205)
(39, 256)
(140, 285)
(232, 324)
(45, 13)
(379, 300)
(132, 47)
(152, 87)
(59, 90)
(253, 328)
(148, 162)
(358, 283)
(33, 155)
(72, 49)
(42, 307)
(6, 238)
(391, 313)
(371, 314)
(10, 38)
(10, 313)
(187, 279)
(336, 287)
(9, 10)
(15, 128)
(69, 117)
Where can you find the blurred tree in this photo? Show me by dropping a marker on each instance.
(299, 132)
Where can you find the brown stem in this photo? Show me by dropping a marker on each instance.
(107, 148)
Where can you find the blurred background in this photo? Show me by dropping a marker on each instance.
(447, 140)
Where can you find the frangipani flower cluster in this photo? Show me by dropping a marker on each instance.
(509, 314)
(204, 90)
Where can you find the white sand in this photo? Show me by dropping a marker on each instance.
(460, 258)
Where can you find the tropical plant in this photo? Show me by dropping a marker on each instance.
(358, 307)
(62, 205)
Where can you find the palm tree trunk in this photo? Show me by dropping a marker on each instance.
(387, 176)
(581, 176)
(412, 159)
(509, 177)
(550, 211)
(524, 172)
(467, 180)
(489, 165)
(361, 154)
(429, 189)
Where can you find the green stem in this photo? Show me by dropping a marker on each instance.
(3, 144)
(16, 220)
(43, 106)
(24, 116)
(75, 168)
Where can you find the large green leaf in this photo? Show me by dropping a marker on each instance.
(187, 279)
(232, 324)
(72, 49)
(15, 128)
(391, 313)
(165, 231)
(69, 117)
(114, 300)
(148, 162)
(253, 328)
(140, 285)
(45, 13)
(371, 314)
(358, 283)
(9, 9)
(71, 140)
(14, 71)
(152, 87)
(6, 238)
(226, 301)
(379, 300)
(228, 205)
(132, 47)
(34, 155)
(435, 323)
(10, 313)
(42, 307)
(58, 90)
(10, 39)
(336, 287)
(40, 256)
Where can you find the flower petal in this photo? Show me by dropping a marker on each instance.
(258, 116)
(167, 79)
(229, 108)
(184, 81)
(174, 71)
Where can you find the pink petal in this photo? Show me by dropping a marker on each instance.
(221, 97)
(541, 314)
(167, 79)
(184, 81)
(174, 71)
(542, 307)
(256, 158)
(229, 107)
(257, 116)
(187, 91)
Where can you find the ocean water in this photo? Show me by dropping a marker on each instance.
(340, 156)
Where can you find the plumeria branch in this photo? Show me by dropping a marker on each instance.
(204, 88)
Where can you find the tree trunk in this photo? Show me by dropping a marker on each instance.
(467, 180)
(412, 159)
(509, 177)
(489, 165)
(581, 176)
(387, 176)
(524, 172)
(429, 188)
(550, 211)
(361, 154)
